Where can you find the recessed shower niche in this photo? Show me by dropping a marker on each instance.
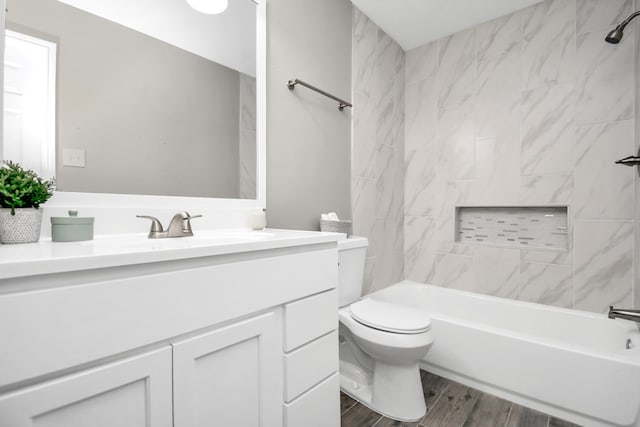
(540, 227)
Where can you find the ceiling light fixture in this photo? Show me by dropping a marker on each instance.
(210, 7)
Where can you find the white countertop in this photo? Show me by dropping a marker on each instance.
(46, 257)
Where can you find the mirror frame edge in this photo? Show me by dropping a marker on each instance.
(63, 199)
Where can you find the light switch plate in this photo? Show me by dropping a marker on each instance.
(73, 157)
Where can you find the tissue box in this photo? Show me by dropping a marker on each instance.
(71, 228)
(335, 226)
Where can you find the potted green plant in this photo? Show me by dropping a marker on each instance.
(22, 192)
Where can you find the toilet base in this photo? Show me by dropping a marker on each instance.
(391, 390)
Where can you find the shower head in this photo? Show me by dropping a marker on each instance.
(615, 35)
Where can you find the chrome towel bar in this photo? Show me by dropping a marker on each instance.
(341, 102)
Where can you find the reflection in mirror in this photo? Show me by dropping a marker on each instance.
(108, 109)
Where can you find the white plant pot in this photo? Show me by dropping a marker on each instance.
(23, 227)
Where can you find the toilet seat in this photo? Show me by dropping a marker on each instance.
(389, 317)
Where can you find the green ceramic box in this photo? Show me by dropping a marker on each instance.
(71, 228)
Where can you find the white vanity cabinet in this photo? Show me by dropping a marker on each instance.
(242, 339)
(133, 392)
(230, 376)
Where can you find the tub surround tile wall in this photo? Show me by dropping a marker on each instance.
(247, 147)
(377, 168)
(532, 108)
(541, 113)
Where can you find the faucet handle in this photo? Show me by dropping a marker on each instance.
(180, 225)
(156, 225)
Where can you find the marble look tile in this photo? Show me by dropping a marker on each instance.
(454, 271)
(386, 268)
(603, 264)
(549, 284)
(548, 134)
(457, 69)
(363, 195)
(400, 98)
(363, 137)
(364, 52)
(247, 102)
(548, 43)
(385, 115)
(420, 185)
(498, 101)
(421, 113)
(389, 63)
(604, 78)
(496, 271)
(369, 274)
(386, 173)
(547, 190)
(248, 168)
(396, 211)
(389, 252)
(450, 195)
(599, 14)
(636, 280)
(422, 63)
(394, 231)
(602, 189)
(498, 170)
(419, 248)
(499, 36)
(546, 256)
(456, 143)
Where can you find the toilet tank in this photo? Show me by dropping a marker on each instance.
(352, 253)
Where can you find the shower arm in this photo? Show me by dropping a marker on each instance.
(626, 21)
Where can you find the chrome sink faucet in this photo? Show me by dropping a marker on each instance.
(180, 226)
(633, 315)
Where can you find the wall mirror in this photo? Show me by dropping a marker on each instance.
(148, 98)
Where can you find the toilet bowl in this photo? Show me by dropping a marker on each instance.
(381, 343)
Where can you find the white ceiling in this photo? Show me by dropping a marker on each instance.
(413, 23)
(228, 38)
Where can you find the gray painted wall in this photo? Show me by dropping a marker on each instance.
(308, 139)
(186, 108)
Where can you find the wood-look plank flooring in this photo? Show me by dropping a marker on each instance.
(450, 404)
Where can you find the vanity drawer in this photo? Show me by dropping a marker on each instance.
(319, 407)
(310, 318)
(310, 364)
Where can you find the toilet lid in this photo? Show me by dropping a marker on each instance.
(390, 317)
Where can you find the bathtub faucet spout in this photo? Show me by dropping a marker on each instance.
(633, 315)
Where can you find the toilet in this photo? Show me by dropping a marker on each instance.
(381, 342)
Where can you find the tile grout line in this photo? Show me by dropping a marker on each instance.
(348, 409)
(506, 422)
(435, 402)
(376, 423)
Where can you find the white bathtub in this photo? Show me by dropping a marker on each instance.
(571, 364)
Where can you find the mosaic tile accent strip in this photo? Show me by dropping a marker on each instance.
(532, 227)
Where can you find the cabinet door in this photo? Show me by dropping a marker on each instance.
(133, 392)
(230, 377)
